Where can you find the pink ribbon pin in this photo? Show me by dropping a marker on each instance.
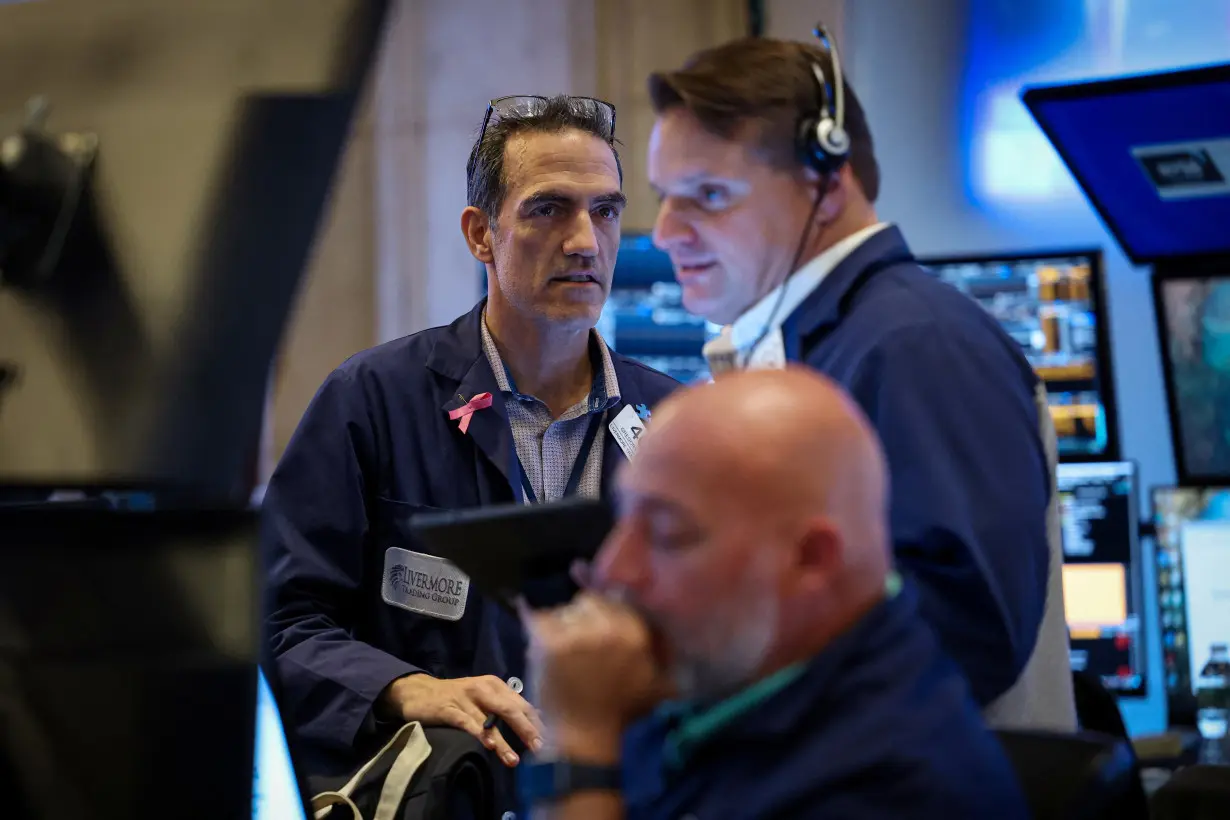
(480, 402)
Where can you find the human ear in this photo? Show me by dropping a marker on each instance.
(476, 228)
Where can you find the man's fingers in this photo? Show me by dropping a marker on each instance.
(521, 723)
(468, 717)
(514, 710)
(500, 746)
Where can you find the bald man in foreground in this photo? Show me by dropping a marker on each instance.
(746, 650)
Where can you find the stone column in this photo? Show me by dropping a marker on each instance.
(635, 38)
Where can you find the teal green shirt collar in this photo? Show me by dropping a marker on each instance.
(696, 724)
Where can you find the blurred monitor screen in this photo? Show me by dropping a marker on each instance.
(644, 317)
(1102, 572)
(275, 789)
(1160, 182)
(1192, 532)
(1194, 332)
(1054, 306)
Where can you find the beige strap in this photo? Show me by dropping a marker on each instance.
(414, 750)
(324, 802)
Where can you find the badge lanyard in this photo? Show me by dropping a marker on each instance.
(578, 466)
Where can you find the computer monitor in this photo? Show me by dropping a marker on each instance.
(1152, 153)
(1054, 306)
(644, 317)
(1192, 543)
(1193, 320)
(1101, 572)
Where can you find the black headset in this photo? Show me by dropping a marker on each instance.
(822, 144)
(821, 139)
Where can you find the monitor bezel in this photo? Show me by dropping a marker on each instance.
(1103, 358)
(1161, 275)
(1180, 706)
(1033, 96)
(1136, 551)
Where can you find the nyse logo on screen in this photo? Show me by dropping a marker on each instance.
(1182, 168)
(1186, 170)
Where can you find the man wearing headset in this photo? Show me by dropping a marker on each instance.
(764, 163)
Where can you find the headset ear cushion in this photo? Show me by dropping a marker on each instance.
(833, 140)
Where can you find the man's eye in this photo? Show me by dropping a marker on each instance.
(712, 196)
(547, 210)
(670, 536)
(608, 212)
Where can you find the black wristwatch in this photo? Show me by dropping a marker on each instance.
(556, 779)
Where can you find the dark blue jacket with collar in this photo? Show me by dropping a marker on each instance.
(879, 726)
(953, 400)
(376, 446)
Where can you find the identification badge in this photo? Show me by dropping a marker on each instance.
(770, 354)
(627, 428)
(424, 584)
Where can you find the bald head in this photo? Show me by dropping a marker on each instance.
(754, 521)
(787, 441)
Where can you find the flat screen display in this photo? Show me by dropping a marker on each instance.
(1052, 305)
(1152, 153)
(1192, 532)
(1101, 572)
(1193, 315)
(644, 317)
(1010, 162)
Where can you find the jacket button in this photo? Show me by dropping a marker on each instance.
(515, 684)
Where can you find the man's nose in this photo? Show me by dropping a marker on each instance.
(618, 563)
(671, 228)
(582, 238)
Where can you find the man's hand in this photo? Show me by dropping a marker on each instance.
(594, 672)
(465, 704)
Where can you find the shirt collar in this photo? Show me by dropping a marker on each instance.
(605, 391)
(768, 315)
(694, 724)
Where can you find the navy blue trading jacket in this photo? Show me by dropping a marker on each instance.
(879, 726)
(953, 400)
(375, 447)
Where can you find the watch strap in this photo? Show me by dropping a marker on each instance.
(554, 780)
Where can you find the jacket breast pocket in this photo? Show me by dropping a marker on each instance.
(426, 600)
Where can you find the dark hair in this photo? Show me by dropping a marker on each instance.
(486, 183)
(767, 83)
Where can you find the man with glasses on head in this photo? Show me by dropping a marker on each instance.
(514, 401)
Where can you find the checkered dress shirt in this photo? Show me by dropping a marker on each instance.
(548, 447)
